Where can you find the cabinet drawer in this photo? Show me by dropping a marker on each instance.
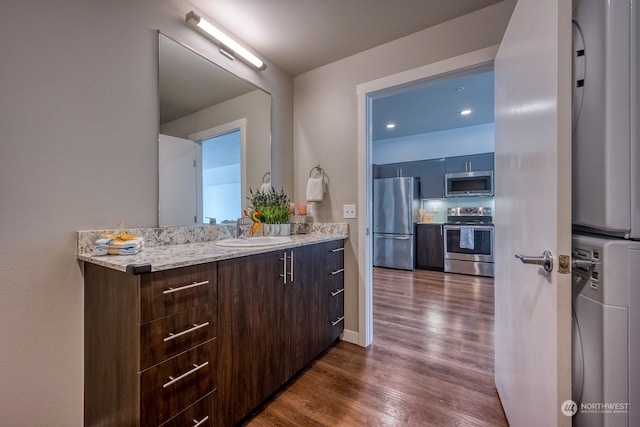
(200, 414)
(334, 256)
(336, 320)
(168, 292)
(336, 305)
(170, 387)
(171, 335)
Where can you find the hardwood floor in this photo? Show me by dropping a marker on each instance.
(430, 364)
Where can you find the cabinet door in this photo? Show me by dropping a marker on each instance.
(481, 162)
(388, 170)
(470, 163)
(430, 247)
(432, 179)
(402, 169)
(457, 164)
(409, 169)
(251, 339)
(303, 308)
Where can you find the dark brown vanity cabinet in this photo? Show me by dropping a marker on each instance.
(275, 312)
(333, 291)
(430, 247)
(250, 307)
(205, 345)
(150, 346)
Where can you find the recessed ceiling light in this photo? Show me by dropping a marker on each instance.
(391, 125)
(460, 89)
(465, 112)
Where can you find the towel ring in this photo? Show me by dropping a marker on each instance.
(319, 169)
(266, 178)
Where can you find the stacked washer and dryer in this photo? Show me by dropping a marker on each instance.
(606, 213)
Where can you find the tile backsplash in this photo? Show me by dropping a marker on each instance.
(438, 207)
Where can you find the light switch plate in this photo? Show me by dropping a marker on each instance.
(349, 211)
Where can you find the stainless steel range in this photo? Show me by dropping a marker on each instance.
(468, 241)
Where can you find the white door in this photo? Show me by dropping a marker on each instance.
(176, 181)
(533, 213)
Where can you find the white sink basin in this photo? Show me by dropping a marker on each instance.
(252, 242)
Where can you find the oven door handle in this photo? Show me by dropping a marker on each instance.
(476, 227)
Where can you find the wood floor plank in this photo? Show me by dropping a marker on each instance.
(431, 362)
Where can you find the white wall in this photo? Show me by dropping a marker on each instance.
(434, 145)
(78, 150)
(325, 114)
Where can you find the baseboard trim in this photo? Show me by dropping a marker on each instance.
(350, 336)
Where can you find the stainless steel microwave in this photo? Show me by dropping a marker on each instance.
(469, 184)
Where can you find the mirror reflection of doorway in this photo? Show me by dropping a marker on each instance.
(221, 177)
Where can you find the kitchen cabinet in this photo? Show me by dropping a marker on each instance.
(469, 163)
(432, 179)
(402, 169)
(430, 247)
(150, 346)
(275, 313)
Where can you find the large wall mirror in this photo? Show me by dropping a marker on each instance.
(215, 138)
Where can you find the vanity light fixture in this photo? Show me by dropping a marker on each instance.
(465, 112)
(391, 125)
(228, 47)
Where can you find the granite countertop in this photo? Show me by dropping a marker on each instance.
(168, 256)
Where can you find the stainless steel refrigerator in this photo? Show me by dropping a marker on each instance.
(395, 210)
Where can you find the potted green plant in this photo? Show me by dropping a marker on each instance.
(271, 208)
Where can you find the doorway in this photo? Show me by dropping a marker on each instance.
(221, 176)
(367, 93)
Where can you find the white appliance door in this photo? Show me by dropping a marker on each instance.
(533, 213)
(176, 181)
(602, 161)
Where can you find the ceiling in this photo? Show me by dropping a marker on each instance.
(434, 105)
(301, 35)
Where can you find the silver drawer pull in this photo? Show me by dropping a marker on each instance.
(284, 266)
(182, 288)
(186, 374)
(197, 423)
(337, 250)
(340, 270)
(340, 319)
(338, 292)
(186, 331)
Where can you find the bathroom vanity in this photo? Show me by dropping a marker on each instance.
(205, 334)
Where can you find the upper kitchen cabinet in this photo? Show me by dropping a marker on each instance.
(403, 169)
(432, 179)
(470, 163)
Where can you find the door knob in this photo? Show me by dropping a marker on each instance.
(546, 260)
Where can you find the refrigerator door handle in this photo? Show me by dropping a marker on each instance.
(378, 236)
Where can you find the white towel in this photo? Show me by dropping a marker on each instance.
(117, 247)
(466, 237)
(265, 187)
(315, 189)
